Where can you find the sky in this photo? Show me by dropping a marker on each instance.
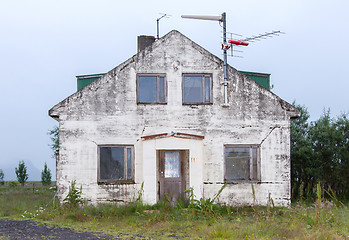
(44, 44)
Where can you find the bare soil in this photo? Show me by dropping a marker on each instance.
(26, 229)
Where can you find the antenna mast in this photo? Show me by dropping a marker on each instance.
(157, 24)
(222, 18)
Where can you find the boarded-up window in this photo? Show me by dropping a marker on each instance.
(197, 89)
(116, 163)
(151, 88)
(242, 162)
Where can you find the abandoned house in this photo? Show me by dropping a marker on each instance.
(160, 120)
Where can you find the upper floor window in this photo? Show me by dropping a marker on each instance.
(242, 162)
(151, 88)
(116, 163)
(197, 89)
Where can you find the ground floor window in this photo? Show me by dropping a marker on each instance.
(242, 162)
(116, 163)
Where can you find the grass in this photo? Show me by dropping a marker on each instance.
(318, 220)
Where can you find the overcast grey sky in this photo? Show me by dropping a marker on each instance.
(44, 44)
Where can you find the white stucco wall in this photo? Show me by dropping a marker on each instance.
(106, 112)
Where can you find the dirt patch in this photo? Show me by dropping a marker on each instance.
(26, 229)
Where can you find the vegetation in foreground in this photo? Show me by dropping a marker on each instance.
(191, 219)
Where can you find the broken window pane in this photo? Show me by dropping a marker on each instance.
(115, 163)
(238, 162)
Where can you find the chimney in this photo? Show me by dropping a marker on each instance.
(145, 41)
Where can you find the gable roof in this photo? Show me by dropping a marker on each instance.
(55, 110)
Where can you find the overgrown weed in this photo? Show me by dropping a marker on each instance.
(188, 218)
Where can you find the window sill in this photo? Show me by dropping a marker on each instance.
(197, 103)
(115, 182)
(241, 181)
(155, 103)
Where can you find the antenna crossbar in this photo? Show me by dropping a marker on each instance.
(262, 36)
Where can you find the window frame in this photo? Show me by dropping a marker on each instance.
(158, 76)
(203, 75)
(122, 181)
(258, 170)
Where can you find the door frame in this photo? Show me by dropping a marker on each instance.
(184, 163)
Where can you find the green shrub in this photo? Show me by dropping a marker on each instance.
(13, 183)
(73, 198)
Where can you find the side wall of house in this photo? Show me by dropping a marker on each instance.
(106, 112)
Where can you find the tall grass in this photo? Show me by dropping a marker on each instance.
(187, 220)
(15, 199)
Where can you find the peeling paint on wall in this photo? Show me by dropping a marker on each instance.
(106, 112)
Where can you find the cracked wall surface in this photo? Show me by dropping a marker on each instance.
(106, 112)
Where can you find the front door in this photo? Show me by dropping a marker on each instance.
(172, 175)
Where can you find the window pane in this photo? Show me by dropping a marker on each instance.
(172, 165)
(147, 91)
(162, 90)
(207, 89)
(192, 89)
(129, 163)
(254, 161)
(237, 163)
(111, 163)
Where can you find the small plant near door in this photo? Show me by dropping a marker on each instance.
(206, 206)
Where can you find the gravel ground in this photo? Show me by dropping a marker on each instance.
(26, 229)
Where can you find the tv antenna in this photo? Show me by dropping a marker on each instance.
(244, 42)
(221, 18)
(158, 22)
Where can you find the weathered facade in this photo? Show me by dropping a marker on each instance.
(159, 119)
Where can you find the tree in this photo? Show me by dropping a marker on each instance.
(302, 163)
(54, 135)
(342, 156)
(2, 175)
(330, 140)
(21, 173)
(319, 153)
(46, 176)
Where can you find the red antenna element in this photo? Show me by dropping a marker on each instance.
(238, 42)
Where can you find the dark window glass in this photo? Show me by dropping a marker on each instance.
(115, 163)
(241, 163)
(151, 89)
(254, 162)
(196, 88)
(129, 163)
